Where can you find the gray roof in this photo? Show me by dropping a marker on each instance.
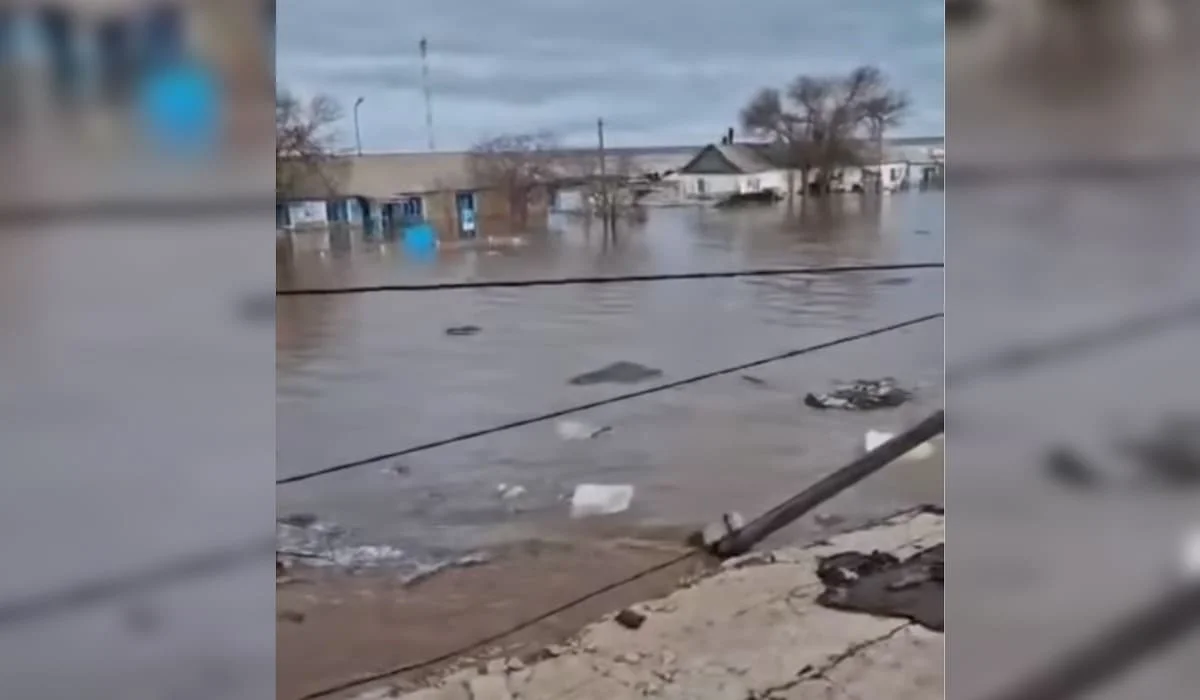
(749, 158)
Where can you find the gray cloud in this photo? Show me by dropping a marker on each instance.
(658, 71)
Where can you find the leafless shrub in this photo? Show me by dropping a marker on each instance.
(520, 165)
(304, 140)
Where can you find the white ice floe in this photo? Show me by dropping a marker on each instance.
(507, 491)
(1190, 559)
(875, 438)
(578, 430)
(600, 499)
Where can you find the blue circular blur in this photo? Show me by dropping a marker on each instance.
(179, 105)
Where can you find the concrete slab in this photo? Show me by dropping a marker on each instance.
(751, 631)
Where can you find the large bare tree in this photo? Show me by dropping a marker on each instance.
(822, 127)
(304, 139)
(522, 166)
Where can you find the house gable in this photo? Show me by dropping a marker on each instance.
(710, 161)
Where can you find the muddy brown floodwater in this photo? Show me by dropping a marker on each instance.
(368, 374)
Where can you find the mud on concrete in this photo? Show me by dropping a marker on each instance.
(334, 627)
(750, 631)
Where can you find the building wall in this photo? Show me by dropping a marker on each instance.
(493, 214)
(714, 185)
(724, 185)
(896, 176)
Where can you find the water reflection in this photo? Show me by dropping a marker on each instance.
(362, 375)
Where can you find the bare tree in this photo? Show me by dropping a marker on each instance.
(879, 108)
(523, 166)
(766, 117)
(822, 128)
(613, 195)
(304, 140)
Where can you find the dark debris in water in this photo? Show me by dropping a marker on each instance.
(463, 330)
(300, 520)
(880, 584)
(894, 281)
(617, 373)
(1167, 458)
(861, 395)
(1067, 467)
(751, 379)
(397, 469)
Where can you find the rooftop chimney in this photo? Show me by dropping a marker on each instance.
(729, 135)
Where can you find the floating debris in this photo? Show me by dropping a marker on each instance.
(292, 616)
(397, 469)
(894, 281)
(508, 492)
(463, 330)
(750, 378)
(861, 395)
(1170, 457)
(880, 584)
(617, 373)
(600, 499)
(1067, 467)
(300, 520)
(630, 618)
(578, 430)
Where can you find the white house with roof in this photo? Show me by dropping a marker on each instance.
(727, 168)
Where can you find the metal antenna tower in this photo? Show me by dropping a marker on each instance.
(428, 94)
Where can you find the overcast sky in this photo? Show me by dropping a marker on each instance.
(660, 72)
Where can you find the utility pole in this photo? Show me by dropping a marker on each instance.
(604, 209)
(357, 133)
(428, 96)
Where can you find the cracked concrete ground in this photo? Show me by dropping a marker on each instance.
(752, 631)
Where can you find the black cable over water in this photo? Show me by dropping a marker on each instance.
(566, 281)
(604, 402)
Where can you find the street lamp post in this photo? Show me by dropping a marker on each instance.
(357, 133)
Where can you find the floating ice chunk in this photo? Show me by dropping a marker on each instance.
(600, 499)
(578, 430)
(875, 438)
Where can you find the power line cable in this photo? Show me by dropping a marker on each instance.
(604, 402)
(566, 281)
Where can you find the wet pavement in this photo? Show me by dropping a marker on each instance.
(363, 375)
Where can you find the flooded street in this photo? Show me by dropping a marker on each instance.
(361, 375)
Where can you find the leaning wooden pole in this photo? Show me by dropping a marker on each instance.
(742, 540)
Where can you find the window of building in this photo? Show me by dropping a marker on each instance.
(412, 209)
